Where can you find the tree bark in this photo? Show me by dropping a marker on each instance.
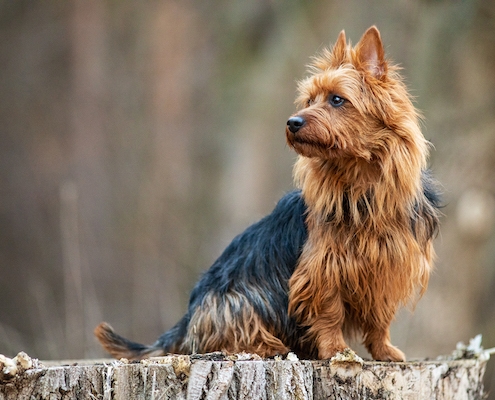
(247, 377)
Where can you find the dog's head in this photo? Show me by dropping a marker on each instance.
(354, 105)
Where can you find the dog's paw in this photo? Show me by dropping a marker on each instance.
(388, 353)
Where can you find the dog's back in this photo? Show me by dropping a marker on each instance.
(240, 303)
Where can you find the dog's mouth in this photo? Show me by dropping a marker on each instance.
(309, 147)
(301, 140)
(295, 139)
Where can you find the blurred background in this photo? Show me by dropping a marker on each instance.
(137, 138)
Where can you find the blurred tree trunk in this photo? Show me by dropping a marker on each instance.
(84, 195)
(164, 203)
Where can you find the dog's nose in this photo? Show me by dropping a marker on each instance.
(295, 123)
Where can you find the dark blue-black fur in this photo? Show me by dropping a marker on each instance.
(424, 221)
(257, 264)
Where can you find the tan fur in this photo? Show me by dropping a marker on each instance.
(113, 344)
(360, 171)
(231, 325)
(228, 324)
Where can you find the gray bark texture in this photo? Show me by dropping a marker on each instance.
(214, 377)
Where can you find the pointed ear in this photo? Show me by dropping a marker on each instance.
(370, 53)
(339, 49)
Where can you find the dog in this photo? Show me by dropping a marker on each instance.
(338, 256)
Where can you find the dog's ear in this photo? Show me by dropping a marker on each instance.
(370, 53)
(339, 49)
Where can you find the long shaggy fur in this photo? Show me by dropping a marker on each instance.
(369, 221)
(342, 253)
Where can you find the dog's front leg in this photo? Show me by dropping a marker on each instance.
(327, 327)
(377, 341)
(316, 304)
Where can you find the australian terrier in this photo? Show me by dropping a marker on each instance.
(341, 254)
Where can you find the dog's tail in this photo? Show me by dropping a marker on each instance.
(120, 347)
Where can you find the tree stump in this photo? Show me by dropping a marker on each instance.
(215, 376)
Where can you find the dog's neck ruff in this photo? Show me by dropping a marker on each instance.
(354, 193)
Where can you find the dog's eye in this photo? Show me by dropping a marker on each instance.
(335, 100)
(310, 102)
